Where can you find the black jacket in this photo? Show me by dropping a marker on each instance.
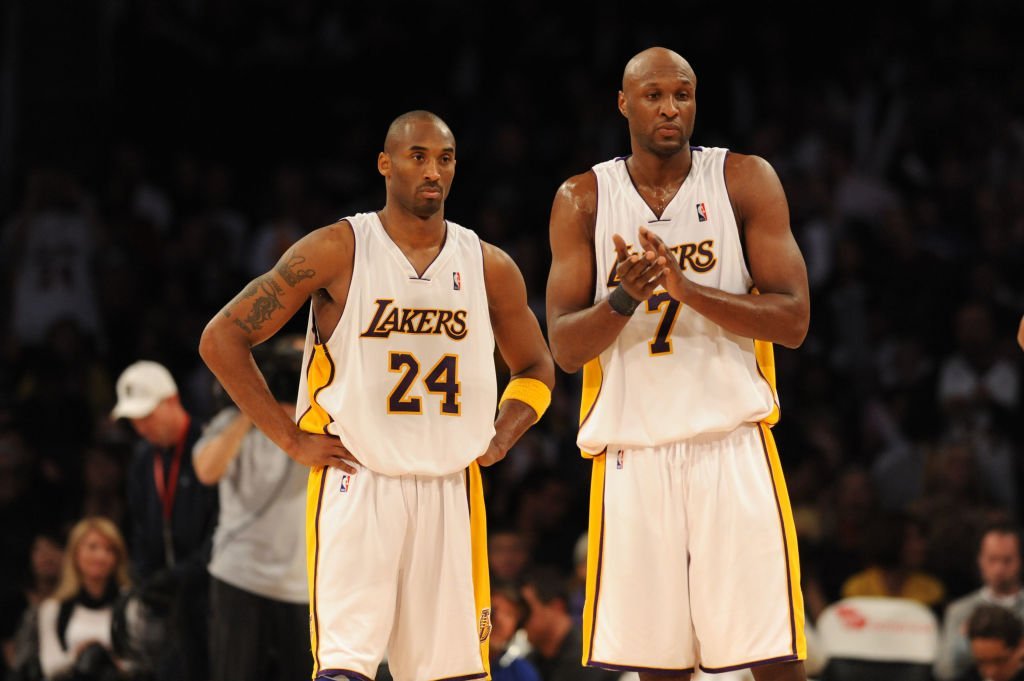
(193, 518)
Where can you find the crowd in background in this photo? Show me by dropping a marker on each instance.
(224, 132)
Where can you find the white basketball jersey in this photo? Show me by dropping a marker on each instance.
(673, 374)
(407, 379)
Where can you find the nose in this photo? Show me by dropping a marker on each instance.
(432, 171)
(669, 108)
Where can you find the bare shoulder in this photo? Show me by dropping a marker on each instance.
(334, 243)
(752, 184)
(746, 170)
(498, 264)
(579, 193)
(337, 235)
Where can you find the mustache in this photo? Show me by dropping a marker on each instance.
(429, 185)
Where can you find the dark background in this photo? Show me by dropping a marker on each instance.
(176, 147)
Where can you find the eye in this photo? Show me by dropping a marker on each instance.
(652, 95)
(446, 158)
(683, 96)
(417, 156)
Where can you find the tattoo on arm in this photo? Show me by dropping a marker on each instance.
(263, 308)
(290, 271)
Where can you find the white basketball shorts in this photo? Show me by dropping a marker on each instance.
(692, 557)
(398, 565)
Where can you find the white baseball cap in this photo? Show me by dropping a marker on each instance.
(140, 388)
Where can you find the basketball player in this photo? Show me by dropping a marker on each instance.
(673, 272)
(396, 410)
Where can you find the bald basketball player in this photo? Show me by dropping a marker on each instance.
(673, 272)
(396, 411)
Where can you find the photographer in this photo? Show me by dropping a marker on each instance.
(258, 594)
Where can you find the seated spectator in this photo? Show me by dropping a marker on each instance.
(507, 554)
(507, 613)
(75, 624)
(999, 562)
(895, 555)
(995, 634)
(21, 646)
(556, 640)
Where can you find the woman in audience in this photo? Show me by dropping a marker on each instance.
(75, 623)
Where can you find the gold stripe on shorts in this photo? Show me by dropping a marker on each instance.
(481, 572)
(595, 544)
(796, 601)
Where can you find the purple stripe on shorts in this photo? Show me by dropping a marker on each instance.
(478, 675)
(747, 665)
(332, 674)
(645, 670)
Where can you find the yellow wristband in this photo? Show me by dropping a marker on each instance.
(528, 390)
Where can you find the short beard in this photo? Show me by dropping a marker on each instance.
(664, 152)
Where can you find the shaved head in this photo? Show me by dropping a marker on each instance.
(655, 60)
(399, 127)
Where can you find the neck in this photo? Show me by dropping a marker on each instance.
(407, 229)
(648, 168)
(177, 427)
(94, 586)
(549, 647)
(1010, 590)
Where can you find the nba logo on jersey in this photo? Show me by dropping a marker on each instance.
(345, 480)
(618, 460)
(702, 213)
(456, 281)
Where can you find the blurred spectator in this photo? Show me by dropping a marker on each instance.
(978, 390)
(541, 514)
(555, 638)
(49, 246)
(75, 639)
(21, 647)
(508, 612)
(259, 598)
(507, 554)
(26, 508)
(957, 505)
(578, 580)
(173, 515)
(103, 483)
(999, 563)
(995, 634)
(849, 509)
(895, 553)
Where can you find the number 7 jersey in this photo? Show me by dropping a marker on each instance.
(407, 378)
(671, 373)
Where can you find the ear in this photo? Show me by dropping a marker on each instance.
(384, 164)
(622, 104)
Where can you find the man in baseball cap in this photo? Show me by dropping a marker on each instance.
(148, 396)
(172, 514)
(140, 388)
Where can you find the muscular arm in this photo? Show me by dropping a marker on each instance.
(520, 343)
(578, 329)
(317, 261)
(780, 312)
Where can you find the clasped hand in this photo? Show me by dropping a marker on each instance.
(640, 274)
